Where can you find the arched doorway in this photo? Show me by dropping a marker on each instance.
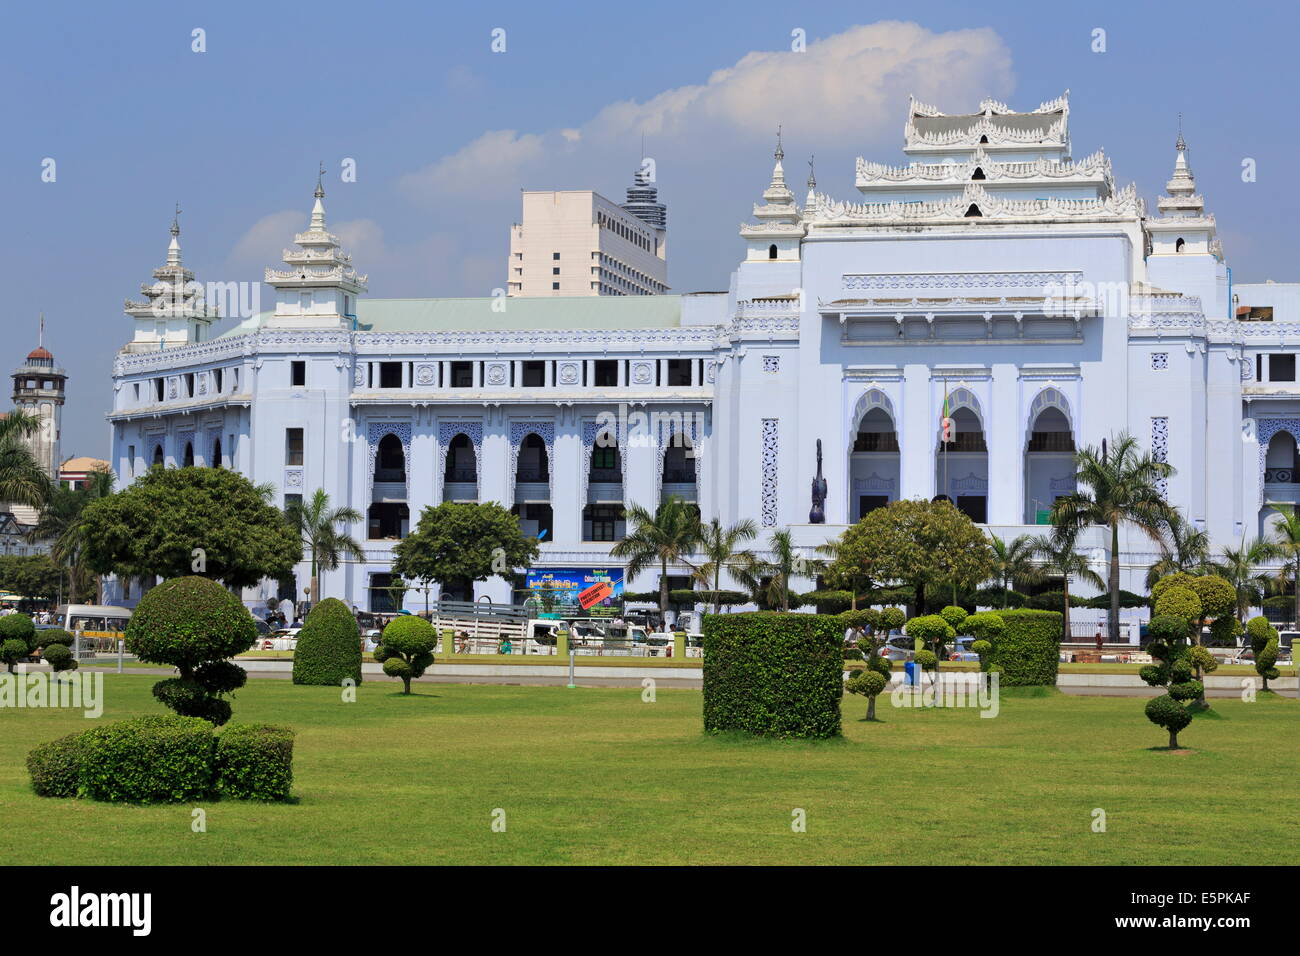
(1049, 455)
(873, 457)
(961, 465)
(389, 516)
(533, 489)
(158, 459)
(679, 469)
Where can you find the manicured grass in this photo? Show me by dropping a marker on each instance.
(598, 776)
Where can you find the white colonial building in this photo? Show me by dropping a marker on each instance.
(992, 272)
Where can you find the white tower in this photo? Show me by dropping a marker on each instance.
(319, 288)
(173, 312)
(39, 391)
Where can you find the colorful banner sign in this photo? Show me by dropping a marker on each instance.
(589, 592)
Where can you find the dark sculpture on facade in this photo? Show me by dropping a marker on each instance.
(818, 513)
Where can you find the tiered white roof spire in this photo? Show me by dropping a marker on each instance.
(1181, 201)
(173, 310)
(319, 259)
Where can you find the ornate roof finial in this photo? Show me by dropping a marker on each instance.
(1181, 144)
(320, 177)
(41, 339)
(812, 171)
(174, 247)
(780, 153)
(176, 226)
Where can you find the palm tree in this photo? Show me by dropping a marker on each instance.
(1286, 542)
(1013, 563)
(318, 524)
(786, 563)
(1183, 547)
(1119, 486)
(721, 546)
(1057, 553)
(22, 479)
(60, 523)
(662, 538)
(1239, 566)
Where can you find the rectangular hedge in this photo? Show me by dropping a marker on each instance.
(772, 674)
(1027, 652)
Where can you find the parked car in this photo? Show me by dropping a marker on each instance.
(899, 647)
(961, 650)
(1247, 656)
(263, 629)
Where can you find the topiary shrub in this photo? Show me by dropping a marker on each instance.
(930, 629)
(1164, 711)
(193, 624)
(1225, 631)
(1027, 651)
(407, 647)
(52, 635)
(1264, 642)
(927, 660)
(869, 683)
(17, 639)
(955, 616)
(55, 767)
(1179, 579)
(982, 648)
(59, 657)
(255, 761)
(1178, 602)
(164, 758)
(772, 674)
(829, 602)
(329, 646)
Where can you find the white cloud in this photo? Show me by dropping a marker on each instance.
(851, 86)
(264, 242)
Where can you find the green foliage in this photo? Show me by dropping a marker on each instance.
(982, 648)
(193, 624)
(406, 648)
(1052, 601)
(55, 767)
(255, 762)
(457, 542)
(157, 759)
(53, 635)
(865, 619)
(1202, 661)
(1101, 602)
(1178, 602)
(891, 619)
(1259, 631)
(954, 616)
(329, 646)
(18, 627)
(59, 657)
(31, 575)
(1168, 628)
(1225, 631)
(154, 527)
(984, 624)
(1218, 598)
(997, 597)
(927, 660)
(829, 602)
(1179, 579)
(919, 544)
(1027, 651)
(1264, 642)
(772, 674)
(12, 650)
(869, 683)
(1165, 711)
(930, 629)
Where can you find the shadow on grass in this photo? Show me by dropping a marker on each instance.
(1029, 693)
(740, 738)
(413, 694)
(1175, 751)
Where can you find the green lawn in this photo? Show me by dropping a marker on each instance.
(597, 776)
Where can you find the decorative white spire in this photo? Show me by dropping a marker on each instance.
(174, 247)
(318, 209)
(1182, 201)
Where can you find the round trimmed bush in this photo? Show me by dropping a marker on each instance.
(984, 624)
(17, 638)
(1216, 595)
(930, 629)
(1179, 579)
(255, 762)
(53, 635)
(193, 624)
(1225, 631)
(12, 650)
(892, 618)
(55, 767)
(1178, 602)
(869, 684)
(1164, 711)
(329, 646)
(927, 660)
(164, 758)
(406, 649)
(59, 657)
(954, 616)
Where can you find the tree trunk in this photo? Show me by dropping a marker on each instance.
(406, 683)
(1112, 626)
(663, 593)
(871, 707)
(1173, 740)
(1296, 579)
(1065, 609)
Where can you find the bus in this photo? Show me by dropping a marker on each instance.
(99, 626)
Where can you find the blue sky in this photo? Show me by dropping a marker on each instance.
(444, 132)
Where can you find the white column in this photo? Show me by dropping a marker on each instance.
(916, 435)
(1004, 435)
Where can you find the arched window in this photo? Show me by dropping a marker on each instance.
(978, 174)
(158, 459)
(532, 465)
(771, 251)
(390, 460)
(605, 464)
(679, 466)
(973, 211)
(984, 139)
(461, 466)
(1178, 246)
(188, 460)
(216, 453)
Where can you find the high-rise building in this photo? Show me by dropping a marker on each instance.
(577, 242)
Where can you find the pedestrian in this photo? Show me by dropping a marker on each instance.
(1100, 642)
